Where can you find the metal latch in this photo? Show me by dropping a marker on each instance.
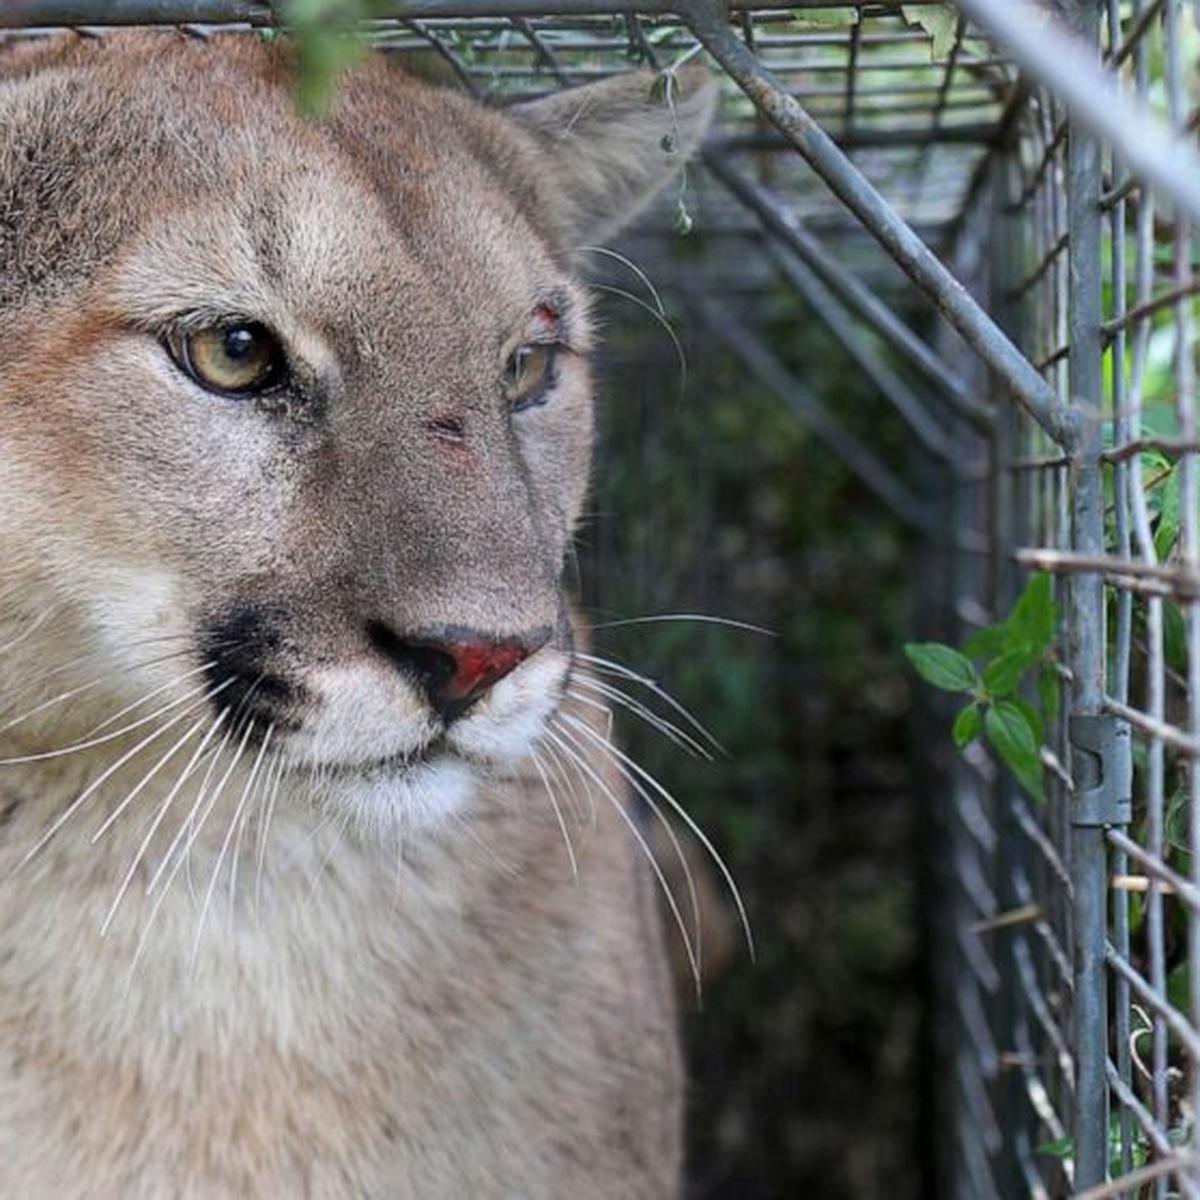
(1102, 764)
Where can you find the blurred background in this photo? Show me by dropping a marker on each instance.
(711, 499)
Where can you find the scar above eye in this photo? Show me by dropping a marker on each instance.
(449, 427)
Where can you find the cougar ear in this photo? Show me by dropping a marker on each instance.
(612, 145)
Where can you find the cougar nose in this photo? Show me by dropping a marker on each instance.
(455, 668)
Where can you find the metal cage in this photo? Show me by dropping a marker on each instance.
(1032, 171)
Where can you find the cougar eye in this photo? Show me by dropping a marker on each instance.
(528, 375)
(235, 359)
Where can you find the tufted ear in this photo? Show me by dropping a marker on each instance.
(613, 145)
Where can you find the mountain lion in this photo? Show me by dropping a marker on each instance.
(301, 756)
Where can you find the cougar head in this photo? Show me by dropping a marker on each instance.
(295, 414)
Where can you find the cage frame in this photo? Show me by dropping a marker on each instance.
(1042, 426)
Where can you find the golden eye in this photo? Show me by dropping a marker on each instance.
(236, 359)
(529, 374)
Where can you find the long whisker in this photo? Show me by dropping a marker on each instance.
(158, 691)
(191, 829)
(264, 829)
(264, 782)
(608, 666)
(136, 790)
(668, 729)
(631, 825)
(702, 618)
(186, 827)
(683, 814)
(562, 825)
(104, 653)
(681, 858)
(109, 771)
(31, 628)
(327, 858)
(75, 747)
(561, 767)
(70, 693)
(659, 317)
(159, 816)
(237, 812)
(632, 266)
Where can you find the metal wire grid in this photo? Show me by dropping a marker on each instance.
(1064, 932)
(1106, 283)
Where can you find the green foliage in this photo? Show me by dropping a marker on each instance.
(992, 667)
(1139, 1148)
(328, 42)
(968, 725)
(940, 21)
(942, 666)
(1011, 734)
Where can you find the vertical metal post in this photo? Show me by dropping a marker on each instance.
(1123, 484)
(1008, 522)
(1086, 632)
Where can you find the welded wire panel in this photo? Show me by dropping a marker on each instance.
(916, 104)
(1052, 1076)
(1151, 644)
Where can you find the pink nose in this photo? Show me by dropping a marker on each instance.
(454, 668)
(479, 665)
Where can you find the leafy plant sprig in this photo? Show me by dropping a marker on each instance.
(992, 668)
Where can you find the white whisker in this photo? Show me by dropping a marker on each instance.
(683, 814)
(31, 628)
(561, 767)
(264, 828)
(628, 262)
(659, 317)
(562, 825)
(264, 780)
(681, 858)
(191, 829)
(201, 795)
(149, 696)
(668, 729)
(106, 774)
(702, 618)
(237, 812)
(631, 825)
(135, 791)
(75, 747)
(159, 816)
(608, 666)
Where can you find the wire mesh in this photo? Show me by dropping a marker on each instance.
(1068, 1019)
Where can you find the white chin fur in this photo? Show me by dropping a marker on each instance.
(422, 796)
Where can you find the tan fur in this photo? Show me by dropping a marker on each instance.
(369, 980)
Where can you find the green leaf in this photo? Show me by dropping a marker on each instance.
(1174, 636)
(1034, 616)
(941, 666)
(1061, 1148)
(1049, 688)
(829, 19)
(1167, 530)
(1001, 675)
(328, 42)
(939, 21)
(1033, 717)
(1179, 987)
(987, 642)
(968, 725)
(1011, 736)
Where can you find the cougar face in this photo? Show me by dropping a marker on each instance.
(295, 415)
